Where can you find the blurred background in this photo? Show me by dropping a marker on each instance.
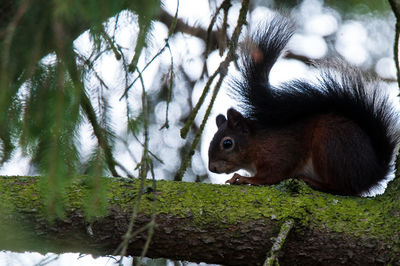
(172, 71)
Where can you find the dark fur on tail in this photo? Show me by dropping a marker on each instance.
(340, 90)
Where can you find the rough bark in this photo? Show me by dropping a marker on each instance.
(232, 225)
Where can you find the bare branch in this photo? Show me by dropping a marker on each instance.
(222, 71)
(278, 244)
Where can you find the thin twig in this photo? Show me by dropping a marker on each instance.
(183, 27)
(111, 44)
(144, 164)
(99, 132)
(152, 223)
(150, 152)
(123, 168)
(272, 259)
(90, 66)
(225, 5)
(190, 119)
(170, 32)
(222, 67)
(169, 89)
(197, 138)
(90, 113)
(222, 71)
(144, 68)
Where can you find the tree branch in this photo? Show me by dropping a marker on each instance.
(183, 27)
(222, 70)
(211, 223)
(278, 244)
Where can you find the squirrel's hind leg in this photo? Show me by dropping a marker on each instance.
(321, 186)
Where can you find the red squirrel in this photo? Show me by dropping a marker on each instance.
(338, 134)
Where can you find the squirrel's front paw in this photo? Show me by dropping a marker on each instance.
(236, 180)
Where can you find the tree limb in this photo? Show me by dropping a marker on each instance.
(210, 223)
(183, 27)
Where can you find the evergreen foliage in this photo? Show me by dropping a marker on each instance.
(43, 98)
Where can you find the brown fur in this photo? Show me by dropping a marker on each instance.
(338, 133)
(324, 151)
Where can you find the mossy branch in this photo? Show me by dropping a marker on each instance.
(222, 224)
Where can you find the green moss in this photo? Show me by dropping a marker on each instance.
(225, 205)
(19, 192)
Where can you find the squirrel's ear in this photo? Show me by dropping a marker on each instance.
(237, 121)
(220, 119)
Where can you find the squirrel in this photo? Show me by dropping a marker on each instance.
(338, 134)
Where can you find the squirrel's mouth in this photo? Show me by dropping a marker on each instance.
(220, 167)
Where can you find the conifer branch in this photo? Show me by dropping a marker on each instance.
(90, 113)
(132, 65)
(99, 133)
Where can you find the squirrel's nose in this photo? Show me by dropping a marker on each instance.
(212, 167)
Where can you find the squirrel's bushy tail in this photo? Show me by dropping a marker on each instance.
(340, 90)
(261, 52)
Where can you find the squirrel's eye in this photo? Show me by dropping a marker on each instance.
(227, 144)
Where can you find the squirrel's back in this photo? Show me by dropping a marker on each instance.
(340, 90)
